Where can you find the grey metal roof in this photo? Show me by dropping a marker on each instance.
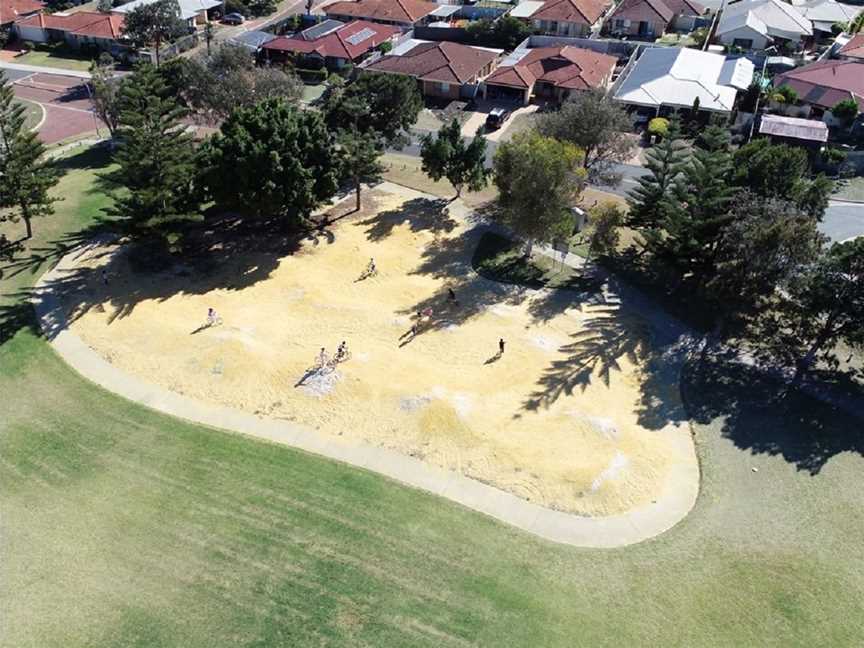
(253, 39)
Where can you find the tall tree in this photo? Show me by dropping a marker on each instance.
(216, 85)
(767, 242)
(272, 160)
(539, 179)
(390, 104)
(657, 202)
(154, 24)
(26, 177)
(361, 154)
(447, 156)
(822, 306)
(597, 125)
(604, 223)
(693, 234)
(105, 95)
(156, 159)
(781, 171)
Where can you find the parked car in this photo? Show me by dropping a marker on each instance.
(496, 118)
(233, 19)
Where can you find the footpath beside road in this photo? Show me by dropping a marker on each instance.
(676, 501)
(35, 69)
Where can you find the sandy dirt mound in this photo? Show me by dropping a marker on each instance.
(554, 420)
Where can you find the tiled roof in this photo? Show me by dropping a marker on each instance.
(629, 8)
(685, 7)
(347, 42)
(854, 49)
(445, 62)
(565, 67)
(575, 11)
(11, 10)
(826, 83)
(83, 23)
(401, 11)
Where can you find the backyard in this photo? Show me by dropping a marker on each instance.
(125, 527)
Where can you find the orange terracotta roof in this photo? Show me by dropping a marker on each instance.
(347, 42)
(11, 10)
(585, 12)
(443, 62)
(400, 11)
(83, 23)
(568, 67)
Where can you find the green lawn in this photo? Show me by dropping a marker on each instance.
(849, 189)
(32, 113)
(121, 527)
(56, 57)
(500, 259)
(312, 93)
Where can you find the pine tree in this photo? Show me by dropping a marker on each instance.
(708, 195)
(156, 159)
(657, 203)
(26, 176)
(360, 153)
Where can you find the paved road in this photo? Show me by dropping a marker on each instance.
(843, 221)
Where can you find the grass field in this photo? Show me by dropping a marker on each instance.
(125, 528)
(57, 58)
(32, 113)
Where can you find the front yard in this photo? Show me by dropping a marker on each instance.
(56, 57)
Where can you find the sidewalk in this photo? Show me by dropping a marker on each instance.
(33, 69)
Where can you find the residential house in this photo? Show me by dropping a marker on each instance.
(549, 73)
(12, 10)
(665, 79)
(331, 43)
(822, 85)
(824, 14)
(853, 50)
(85, 29)
(568, 17)
(404, 14)
(194, 12)
(253, 40)
(757, 24)
(648, 19)
(444, 70)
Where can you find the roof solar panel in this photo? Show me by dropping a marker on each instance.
(322, 29)
(362, 35)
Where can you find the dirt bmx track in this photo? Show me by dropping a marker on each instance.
(554, 420)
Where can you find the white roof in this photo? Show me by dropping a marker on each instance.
(526, 8)
(188, 8)
(676, 77)
(827, 11)
(806, 129)
(780, 19)
(445, 10)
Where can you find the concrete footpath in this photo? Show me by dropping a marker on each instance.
(676, 501)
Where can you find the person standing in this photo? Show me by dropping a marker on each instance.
(500, 346)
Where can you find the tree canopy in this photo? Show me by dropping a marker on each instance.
(387, 104)
(154, 24)
(598, 126)
(539, 180)
(157, 165)
(271, 160)
(448, 156)
(26, 177)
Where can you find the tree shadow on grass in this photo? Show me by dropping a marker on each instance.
(756, 414)
(421, 214)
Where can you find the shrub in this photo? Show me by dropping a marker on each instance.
(659, 126)
(787, 93)
(385, 47)
(833, 156)
(312, 76)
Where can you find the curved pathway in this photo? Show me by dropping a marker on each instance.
(678, 498)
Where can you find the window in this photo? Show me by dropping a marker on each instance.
(445, 87)
(743, 43)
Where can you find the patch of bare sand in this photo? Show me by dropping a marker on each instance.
(442, 397)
